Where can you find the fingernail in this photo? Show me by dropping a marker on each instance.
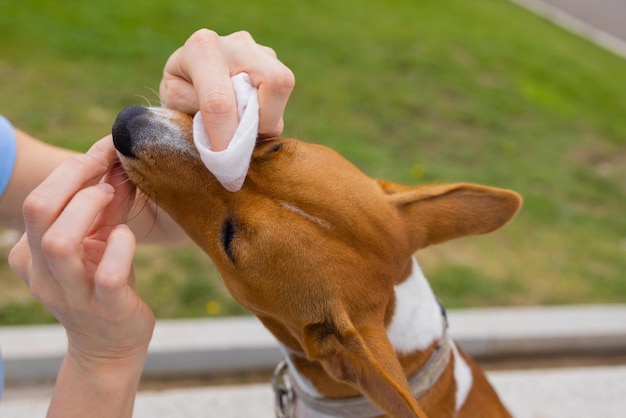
(100, 152)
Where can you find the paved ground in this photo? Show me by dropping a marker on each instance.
(557, 393)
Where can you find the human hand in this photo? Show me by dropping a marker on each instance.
(197, 77)
(76, 258)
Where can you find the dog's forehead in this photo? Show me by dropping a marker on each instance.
(310, 205)
(294, 169)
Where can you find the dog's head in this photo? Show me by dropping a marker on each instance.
(310, 244)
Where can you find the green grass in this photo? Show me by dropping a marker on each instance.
(413, 91)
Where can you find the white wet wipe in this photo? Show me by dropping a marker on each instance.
(230, 166)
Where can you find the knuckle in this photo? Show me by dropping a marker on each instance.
(285, 80)
(35, 205)
(57, 245)
(202, 38)
(280, 81)
(178, 96)
(270, 51)
(218, 103)
(16, 260)
(199, 43)
(242, 36)
(107, 280)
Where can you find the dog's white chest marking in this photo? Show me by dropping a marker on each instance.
(462, 377)
(417, 321)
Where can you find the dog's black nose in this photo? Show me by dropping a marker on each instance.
(122, 137)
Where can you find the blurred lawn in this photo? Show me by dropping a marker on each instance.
(413, 91)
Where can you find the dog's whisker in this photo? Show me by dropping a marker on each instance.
(156, 93)
(145, 100)
(139, 203)
(120, 175)
(154, 218)
(126, 180)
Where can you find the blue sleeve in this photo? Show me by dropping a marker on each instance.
(7, 152)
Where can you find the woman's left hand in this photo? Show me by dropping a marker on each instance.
(76, 256)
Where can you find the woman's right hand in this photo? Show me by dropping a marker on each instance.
(197, 77)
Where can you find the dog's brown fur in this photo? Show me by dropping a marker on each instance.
(314, 247)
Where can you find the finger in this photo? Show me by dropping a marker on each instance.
(178, 94)
(201, 63)
(114, 276)
(274, 80)
(19, 259)
(44, 204)
(117, 211)
(275, 83)
(269, 51)
(176, 89)
(104, 149)
(274, 93)
(36, 278)
(63, 243)
(269, 134)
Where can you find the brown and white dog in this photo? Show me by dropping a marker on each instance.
(323, 256)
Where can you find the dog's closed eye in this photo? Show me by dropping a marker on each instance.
(274, 148)
(227, 236)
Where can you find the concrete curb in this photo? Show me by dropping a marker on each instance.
(541, 331)
(208, 347)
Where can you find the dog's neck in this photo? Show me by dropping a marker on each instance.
(417, 320)
(415, 329)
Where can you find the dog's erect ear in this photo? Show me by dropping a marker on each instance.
(373, 368)
(437, 213)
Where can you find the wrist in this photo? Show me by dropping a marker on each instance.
(96, 387)
(128, 363)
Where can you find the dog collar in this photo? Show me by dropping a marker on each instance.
(286, 389)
